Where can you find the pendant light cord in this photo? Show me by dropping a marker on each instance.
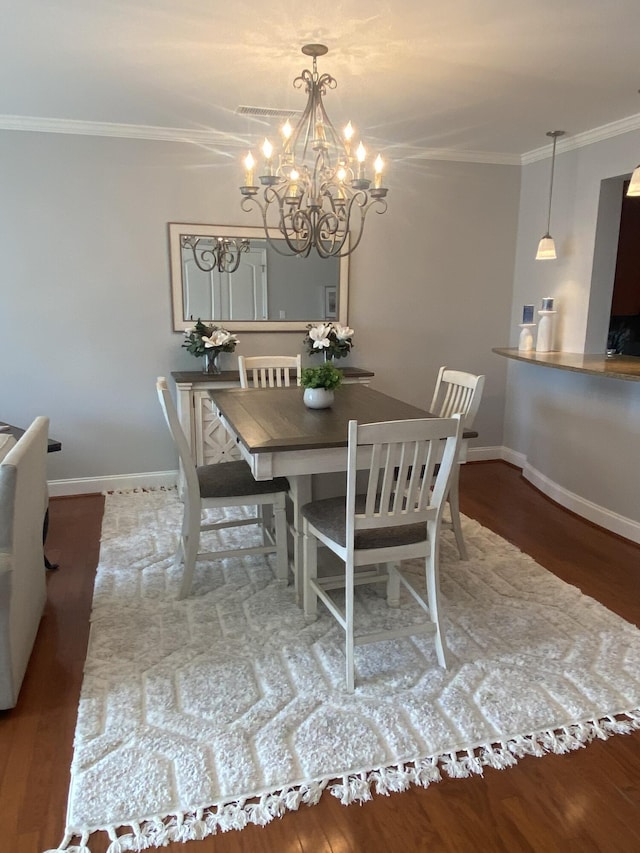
(553, 163)
(555, 134)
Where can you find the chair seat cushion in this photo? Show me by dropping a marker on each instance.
(234, 479)
(329, 517)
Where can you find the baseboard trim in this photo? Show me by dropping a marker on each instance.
(619, 524)
(90, 485)
(605, 518)
(487, 454)
(159, 479)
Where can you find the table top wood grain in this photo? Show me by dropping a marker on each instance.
(268, 420)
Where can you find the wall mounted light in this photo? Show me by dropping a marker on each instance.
(546, 246)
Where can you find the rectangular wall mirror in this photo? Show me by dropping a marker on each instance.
(267, 292)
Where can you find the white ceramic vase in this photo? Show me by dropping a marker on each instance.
(317, 398)
(525, 342)
(545, 342)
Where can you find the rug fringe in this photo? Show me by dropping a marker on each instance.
(137, 490)
(352, 788)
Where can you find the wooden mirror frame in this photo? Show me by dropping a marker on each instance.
(178, 229)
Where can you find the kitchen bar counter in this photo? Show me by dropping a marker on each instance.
(617, 367)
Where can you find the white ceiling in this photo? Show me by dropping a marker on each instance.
(480, 78)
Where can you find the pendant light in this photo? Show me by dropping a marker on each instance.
(546, 246)
(634, 184)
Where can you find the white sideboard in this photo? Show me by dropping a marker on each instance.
(208, 439)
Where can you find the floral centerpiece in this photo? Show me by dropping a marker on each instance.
(209, 341)
(332, 339)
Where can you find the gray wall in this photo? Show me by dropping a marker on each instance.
(578, 436)
(86, 316)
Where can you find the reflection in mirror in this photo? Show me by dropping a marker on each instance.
(214, 253)
(233, 276)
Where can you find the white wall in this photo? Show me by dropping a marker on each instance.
(579, 434)
(85, 325)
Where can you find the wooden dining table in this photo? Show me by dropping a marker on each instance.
(279, 436)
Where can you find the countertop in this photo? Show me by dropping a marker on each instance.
(597, 364)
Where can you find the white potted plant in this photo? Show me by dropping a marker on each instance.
(319, 384)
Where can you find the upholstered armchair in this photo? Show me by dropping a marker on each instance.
(23, 502)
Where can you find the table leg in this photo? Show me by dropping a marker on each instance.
(300, 492)
(45, 527)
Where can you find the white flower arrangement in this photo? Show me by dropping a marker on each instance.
(202, 339)
(332, 339)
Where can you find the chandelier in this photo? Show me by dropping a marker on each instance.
(316, 191)
(223, 255)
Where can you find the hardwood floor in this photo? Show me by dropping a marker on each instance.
(585, 801)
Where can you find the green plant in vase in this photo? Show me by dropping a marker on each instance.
(319, 384)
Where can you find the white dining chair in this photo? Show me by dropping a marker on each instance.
(269, 371)
(274, 371)
(457, 392)
(219, 486)
(384, 525)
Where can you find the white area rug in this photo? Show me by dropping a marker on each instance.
(203, 715)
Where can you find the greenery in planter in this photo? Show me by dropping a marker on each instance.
(326, 376)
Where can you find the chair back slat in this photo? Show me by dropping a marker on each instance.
(277, 371)
(457, 392)
(373, 479)
(402, 452)
(388, 496)
(403, 469)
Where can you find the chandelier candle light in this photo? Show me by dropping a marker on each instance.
(316, 189)
(546, 246)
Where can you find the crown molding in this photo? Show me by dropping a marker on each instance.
(175, 134)
(124, 131)
(208, 136)
(462, 156)
(580, 140)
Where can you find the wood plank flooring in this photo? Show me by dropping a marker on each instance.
(585, 801)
